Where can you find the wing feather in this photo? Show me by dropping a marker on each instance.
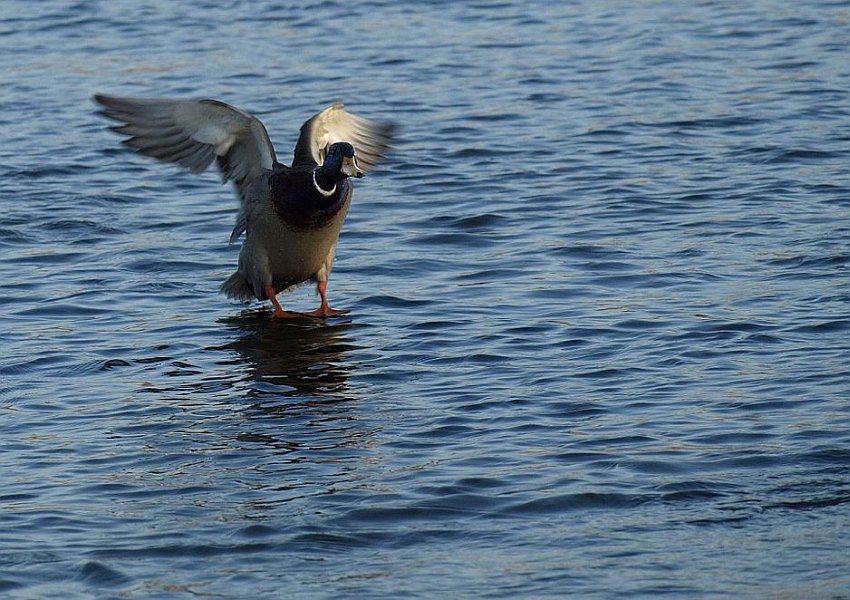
(192, 133)
(334, 124)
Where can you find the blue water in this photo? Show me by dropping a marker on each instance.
(600, 334)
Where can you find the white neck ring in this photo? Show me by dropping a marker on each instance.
(325, 193)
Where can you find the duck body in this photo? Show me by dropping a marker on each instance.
(292, 236)
(291, 215)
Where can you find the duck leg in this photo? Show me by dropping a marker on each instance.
(278, 310)
(325, 310)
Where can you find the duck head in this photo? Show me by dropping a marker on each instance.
(341, 161)
(339, 164)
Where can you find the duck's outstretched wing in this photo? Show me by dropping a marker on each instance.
(192, 133)
(334, 124)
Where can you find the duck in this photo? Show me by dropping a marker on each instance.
(291, 216)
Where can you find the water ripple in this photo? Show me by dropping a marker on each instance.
(599, 310)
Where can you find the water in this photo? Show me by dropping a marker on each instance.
(598, 345)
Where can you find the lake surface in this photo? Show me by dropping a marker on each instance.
(599, 344)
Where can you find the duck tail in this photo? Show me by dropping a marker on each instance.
(237, 288)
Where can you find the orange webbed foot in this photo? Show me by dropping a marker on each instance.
(324, 311)
(279, 313)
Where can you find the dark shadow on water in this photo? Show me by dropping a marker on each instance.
(298, 397)
(272, 400)
(298, 359)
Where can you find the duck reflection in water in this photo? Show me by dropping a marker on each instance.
(297, 375)
(293, 362)
(297, 404)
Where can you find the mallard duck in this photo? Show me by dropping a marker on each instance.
(291, 216)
